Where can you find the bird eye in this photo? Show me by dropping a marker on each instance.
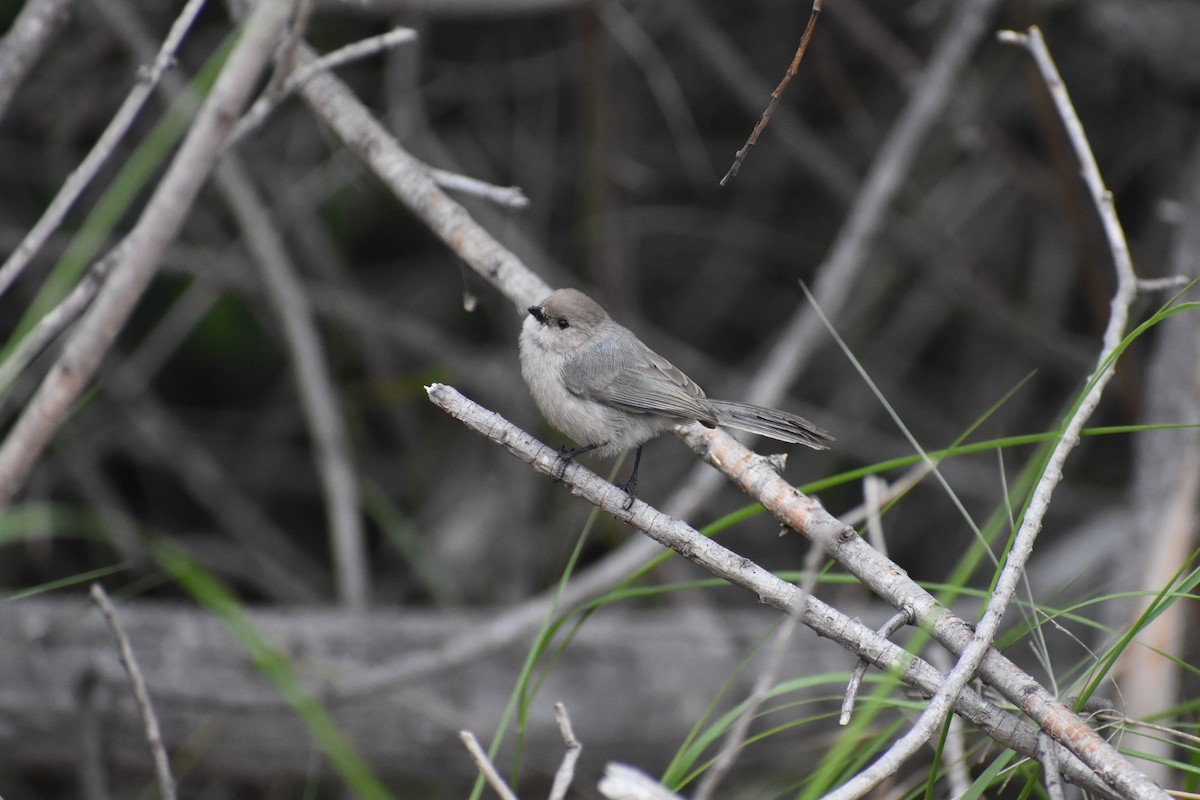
(562, 323)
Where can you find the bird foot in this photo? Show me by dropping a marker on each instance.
(566, 455)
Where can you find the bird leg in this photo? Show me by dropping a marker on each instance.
(630, 486)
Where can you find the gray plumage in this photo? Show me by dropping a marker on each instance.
(596, 382)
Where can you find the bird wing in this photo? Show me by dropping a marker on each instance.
(624, 373)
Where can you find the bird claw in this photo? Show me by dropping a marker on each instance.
(630, 489)
(566, 455)
(564, 458)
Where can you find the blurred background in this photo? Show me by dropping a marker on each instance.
(989, 274)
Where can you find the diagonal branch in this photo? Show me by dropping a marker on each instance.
(825, 620)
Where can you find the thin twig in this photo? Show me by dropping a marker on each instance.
(158, 751)
(504, 196)
(57, 319)
(895, 489)
(1163, 284)
(894, 624)
(1050, 773)
(775, 95)
(621, 782)
(409, 180)
(27, 37)
(285, 54)
(874, 490)
(566, 770)
(486, 768)
(273, 96)
(82, 175)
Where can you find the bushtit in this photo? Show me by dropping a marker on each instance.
(597, 383)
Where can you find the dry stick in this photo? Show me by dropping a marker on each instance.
(1119, 773)
(285, 53)
(775, 95)
(894, 624)
(736, 737)
(162, 765)
(804, 151)
(318, 397)
(142, 248)
(57, 319)
(958, 772)
(409, 180)
(82, 175)
(874, 490)
(24, 42)
(1050, 767)
(1162, 284)
(566, 770)
(504, 196)
(486, 768)
(355, 51)
(755, 474)
(621, 782)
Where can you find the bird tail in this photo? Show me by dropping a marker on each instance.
(778, 425)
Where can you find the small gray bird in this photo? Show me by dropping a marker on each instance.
(597, 383)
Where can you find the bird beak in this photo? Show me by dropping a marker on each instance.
(537, 313)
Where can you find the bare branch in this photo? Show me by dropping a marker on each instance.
(775, 95)
(504, 196)
(486, 768)
(1050, 773)
(566, 770)
(275, 95)
(57, 319)
(894, 624)
(162, 764)
(752, 470)
(410, 181)
(24, 42)
(621, 782)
